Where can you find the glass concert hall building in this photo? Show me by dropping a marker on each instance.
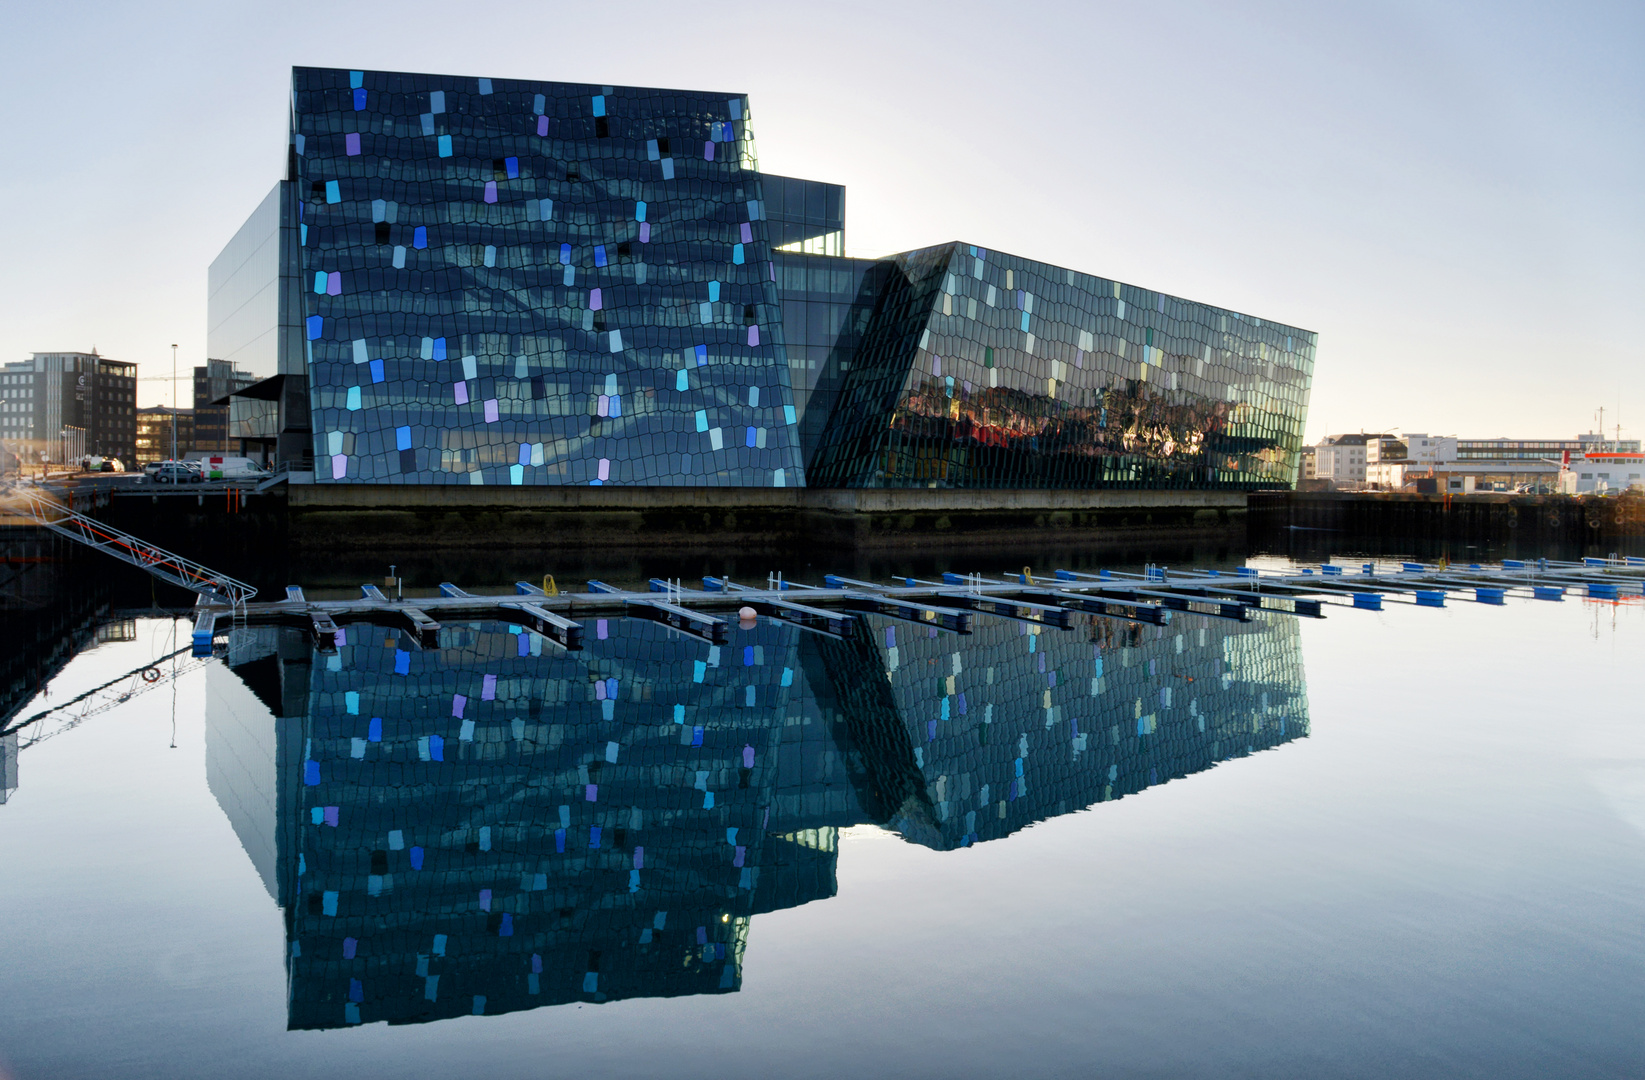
(493, 281)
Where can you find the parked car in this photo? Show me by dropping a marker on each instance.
(229, 467)
(153, 467)
(178, 472)
(112, 465)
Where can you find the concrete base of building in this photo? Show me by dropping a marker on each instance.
(410, 517)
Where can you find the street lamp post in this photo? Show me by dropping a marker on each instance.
(174, 402)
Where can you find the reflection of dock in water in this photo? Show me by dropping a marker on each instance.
(496, 823)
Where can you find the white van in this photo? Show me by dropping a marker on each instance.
(227, 467)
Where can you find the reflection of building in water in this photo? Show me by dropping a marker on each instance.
(483, 827)
(498, 824)
(1017, 723)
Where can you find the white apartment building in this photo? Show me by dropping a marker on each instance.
(1341, 459)
(1385, 462)
(1463, 466)
(1422, 449)
(1389, 460)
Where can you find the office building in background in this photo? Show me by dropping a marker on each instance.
(59, 406)
(156, 438)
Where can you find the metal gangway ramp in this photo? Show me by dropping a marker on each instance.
(210, 585)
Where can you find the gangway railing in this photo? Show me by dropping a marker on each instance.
(165, 565)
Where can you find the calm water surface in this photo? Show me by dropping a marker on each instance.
(1406, 843)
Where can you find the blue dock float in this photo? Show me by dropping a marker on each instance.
(205, 629)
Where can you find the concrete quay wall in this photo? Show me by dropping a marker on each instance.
(1537, 523)
(409, 517)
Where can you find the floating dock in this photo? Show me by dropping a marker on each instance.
(832, 608)
(952, 603)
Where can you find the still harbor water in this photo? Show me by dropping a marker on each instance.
(1398, 843)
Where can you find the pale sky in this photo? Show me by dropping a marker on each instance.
(1448, 193)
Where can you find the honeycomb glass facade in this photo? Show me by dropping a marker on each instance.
(495, 281)
(498, 824)
(509, 282)
(971, 368)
